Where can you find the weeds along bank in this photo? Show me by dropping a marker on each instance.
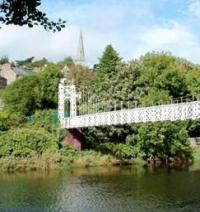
(48, 161)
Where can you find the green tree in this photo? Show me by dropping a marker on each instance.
(108, 62)
(156, 96)
(161, 71)
(20, 97)
(30, 93)
(81, 76)
(66, 61)
(24, 62)
(47, 88)
(193, 82)
(106, 70)
(39, 63)
(162, 141)
(4, 60)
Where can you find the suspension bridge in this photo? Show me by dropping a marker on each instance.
(89, 111)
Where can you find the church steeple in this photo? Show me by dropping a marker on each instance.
(80, 53)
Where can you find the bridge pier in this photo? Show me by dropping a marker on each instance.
(75, 139)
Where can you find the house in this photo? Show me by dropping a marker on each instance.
(3, 82)
(12, 73)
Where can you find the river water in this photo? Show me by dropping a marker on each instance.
(102, 189)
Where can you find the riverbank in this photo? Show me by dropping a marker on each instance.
(62, 161)
(58, 161)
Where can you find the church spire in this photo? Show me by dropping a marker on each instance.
(81, 53)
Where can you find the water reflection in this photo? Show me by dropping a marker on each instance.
(103, 189)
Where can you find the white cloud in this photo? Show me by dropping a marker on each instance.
(22, 42)
(194, 8)
(169, 35)
(19, 43)
(176, 38)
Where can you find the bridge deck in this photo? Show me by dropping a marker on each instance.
(161, 113)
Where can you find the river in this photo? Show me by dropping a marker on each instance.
(102, 189)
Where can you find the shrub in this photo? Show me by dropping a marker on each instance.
(46, 119)
(121, 151)
(68, 151)
(4, 117)
(46, 161)
(24, 142)
(162, 141)
(92, 158)
(8, 120)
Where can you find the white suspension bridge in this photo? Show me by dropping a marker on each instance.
(88, 111)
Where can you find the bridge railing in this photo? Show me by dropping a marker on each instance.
(97, 106)
(170, 112)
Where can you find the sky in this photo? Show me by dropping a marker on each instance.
(133, 27)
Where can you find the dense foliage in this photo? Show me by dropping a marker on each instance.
(121, 151)
(151, 79)
(45, 119)
(8, 120)
(161, 141)
(81, 76)
(30, 93)
(24, 142)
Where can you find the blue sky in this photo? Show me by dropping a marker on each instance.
(133, 27)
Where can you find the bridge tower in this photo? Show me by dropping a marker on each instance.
(66, 92)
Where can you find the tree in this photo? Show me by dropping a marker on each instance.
(47, 88)
(156, 96)
(162, 141)
(31, 93)
(106, 70)
(24, 62)
(81, 76)
(39, 63)
(66, 61)
(108, 61)
(4, 60)
(26, 12)
(163, 72)
(19, 97)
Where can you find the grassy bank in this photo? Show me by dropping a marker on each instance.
(67, 159)
(55, 161)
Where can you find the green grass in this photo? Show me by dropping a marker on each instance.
(57, 161)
